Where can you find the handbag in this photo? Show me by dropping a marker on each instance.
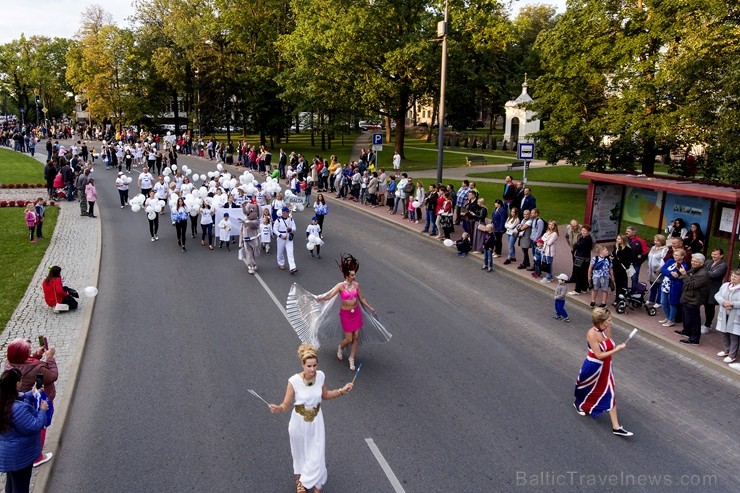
(579, 261)
(630, 271)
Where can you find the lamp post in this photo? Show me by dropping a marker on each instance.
(442, 31)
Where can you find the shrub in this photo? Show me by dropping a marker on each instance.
(11, 203)
(3, 203)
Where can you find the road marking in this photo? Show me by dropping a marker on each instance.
(272, 295)
(384, 465)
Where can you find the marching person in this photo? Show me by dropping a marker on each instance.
(594, 390)
(305, 392)
(350, 314)
(284, 228)
(122, 187)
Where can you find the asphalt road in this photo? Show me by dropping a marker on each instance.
(472, 394)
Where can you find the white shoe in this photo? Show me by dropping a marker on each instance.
(729, 359)
(735, 366)
(152, 238)
(47, 458)
(722, 354)
(705, 329)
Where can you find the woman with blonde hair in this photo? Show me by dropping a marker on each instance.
(304, 392)
(594, 392)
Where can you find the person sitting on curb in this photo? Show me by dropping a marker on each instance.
(55, 293)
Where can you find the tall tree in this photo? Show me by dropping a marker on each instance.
(380, 52)
(604, 98)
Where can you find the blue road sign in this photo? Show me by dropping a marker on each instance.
(377, 139)
(525, 151)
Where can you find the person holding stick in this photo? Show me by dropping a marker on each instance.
(350, 314)
(594, 392)
(304, 392)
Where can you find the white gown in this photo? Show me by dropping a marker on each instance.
(308, 439)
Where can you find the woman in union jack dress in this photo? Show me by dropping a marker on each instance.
(595, 385)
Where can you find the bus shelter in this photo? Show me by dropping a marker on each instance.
(618, 200)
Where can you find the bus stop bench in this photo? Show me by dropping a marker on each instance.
(515, 164)
(475, 159)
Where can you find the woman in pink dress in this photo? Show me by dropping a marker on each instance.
(350, 314)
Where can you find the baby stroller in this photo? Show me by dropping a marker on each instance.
(636, 299)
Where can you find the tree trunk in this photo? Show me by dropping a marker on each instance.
(176, 112)
(403, 104)
(648, 157)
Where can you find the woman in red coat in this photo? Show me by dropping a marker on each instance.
(55, 292)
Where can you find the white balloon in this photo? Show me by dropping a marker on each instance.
(187, 172)
(250, 189)
(173, 167)
(152, 215)
(149, 209)
(203, 191)
(416, 204)
(167, 179)
(136, 208)
(300, 206)
(232, 183)
(166, 171)
(90, 291)
(129, 180)
(312, 238)
(220, 167)
(196, 177)
(161, 203)
(309, 246)
(157, 209)
(448, 243)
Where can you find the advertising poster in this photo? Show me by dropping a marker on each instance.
(725, 221)
(607, 209)
(690, 209)
(642, 206)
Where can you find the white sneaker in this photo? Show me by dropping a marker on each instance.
(152, 238)
(705, 329)
(735, 366)
(47, 458)
(722, 354)
(729, 359)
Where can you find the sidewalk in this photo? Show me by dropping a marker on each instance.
(75, 241)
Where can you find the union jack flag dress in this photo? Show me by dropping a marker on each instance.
(595, 385)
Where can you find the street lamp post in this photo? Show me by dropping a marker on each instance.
(442, 31)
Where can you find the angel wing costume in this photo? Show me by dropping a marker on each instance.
(315, 320)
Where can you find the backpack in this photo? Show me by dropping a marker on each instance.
(409, 188)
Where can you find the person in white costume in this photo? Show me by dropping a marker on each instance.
(284, 229)
(305, 392)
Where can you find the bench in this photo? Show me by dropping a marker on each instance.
(475, 159)
(515, 164)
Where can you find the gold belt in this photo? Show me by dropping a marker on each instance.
(308, 414)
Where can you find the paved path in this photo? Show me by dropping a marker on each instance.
(74, 246)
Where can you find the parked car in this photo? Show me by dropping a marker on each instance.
(369, 125)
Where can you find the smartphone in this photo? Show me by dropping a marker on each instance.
(39, 380)
(44, 342)
(41, 341)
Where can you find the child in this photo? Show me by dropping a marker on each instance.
(601, 273)
(489, 242)
(91, 195)
(224, 232)
(539, 250)
(40, 212)
(31, 221)
(560, 292)
(411, 210)
(265, 231)
(463, 245)
(314, 229)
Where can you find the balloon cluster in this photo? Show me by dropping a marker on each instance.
(313, 241)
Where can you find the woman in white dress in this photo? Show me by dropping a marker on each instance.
(305, 392)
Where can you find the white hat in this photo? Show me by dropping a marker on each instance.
(564, 277)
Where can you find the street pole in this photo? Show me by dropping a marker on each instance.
(442, 30)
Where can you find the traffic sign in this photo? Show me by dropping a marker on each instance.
(377, 148)
(525, 151)
(377, 139)
(44, 110)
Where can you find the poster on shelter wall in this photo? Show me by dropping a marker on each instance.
(726, 219)
(642, 206)
(606, 211)
(690, 209)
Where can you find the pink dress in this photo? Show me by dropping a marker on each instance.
(351, 319)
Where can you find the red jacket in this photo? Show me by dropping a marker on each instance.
(53, 291)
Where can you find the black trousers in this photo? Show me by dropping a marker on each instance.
(692, 321)
(154, 225)
(182, 228)
(19, 481)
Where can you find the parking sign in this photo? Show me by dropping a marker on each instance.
(377, 139)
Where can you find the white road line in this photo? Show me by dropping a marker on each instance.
(384, 465)
(272, 295)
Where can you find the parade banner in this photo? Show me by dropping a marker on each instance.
(235, 215)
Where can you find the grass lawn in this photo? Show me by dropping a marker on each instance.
(554, 203)
(562, 173)
(23, 256)
(16, 167)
